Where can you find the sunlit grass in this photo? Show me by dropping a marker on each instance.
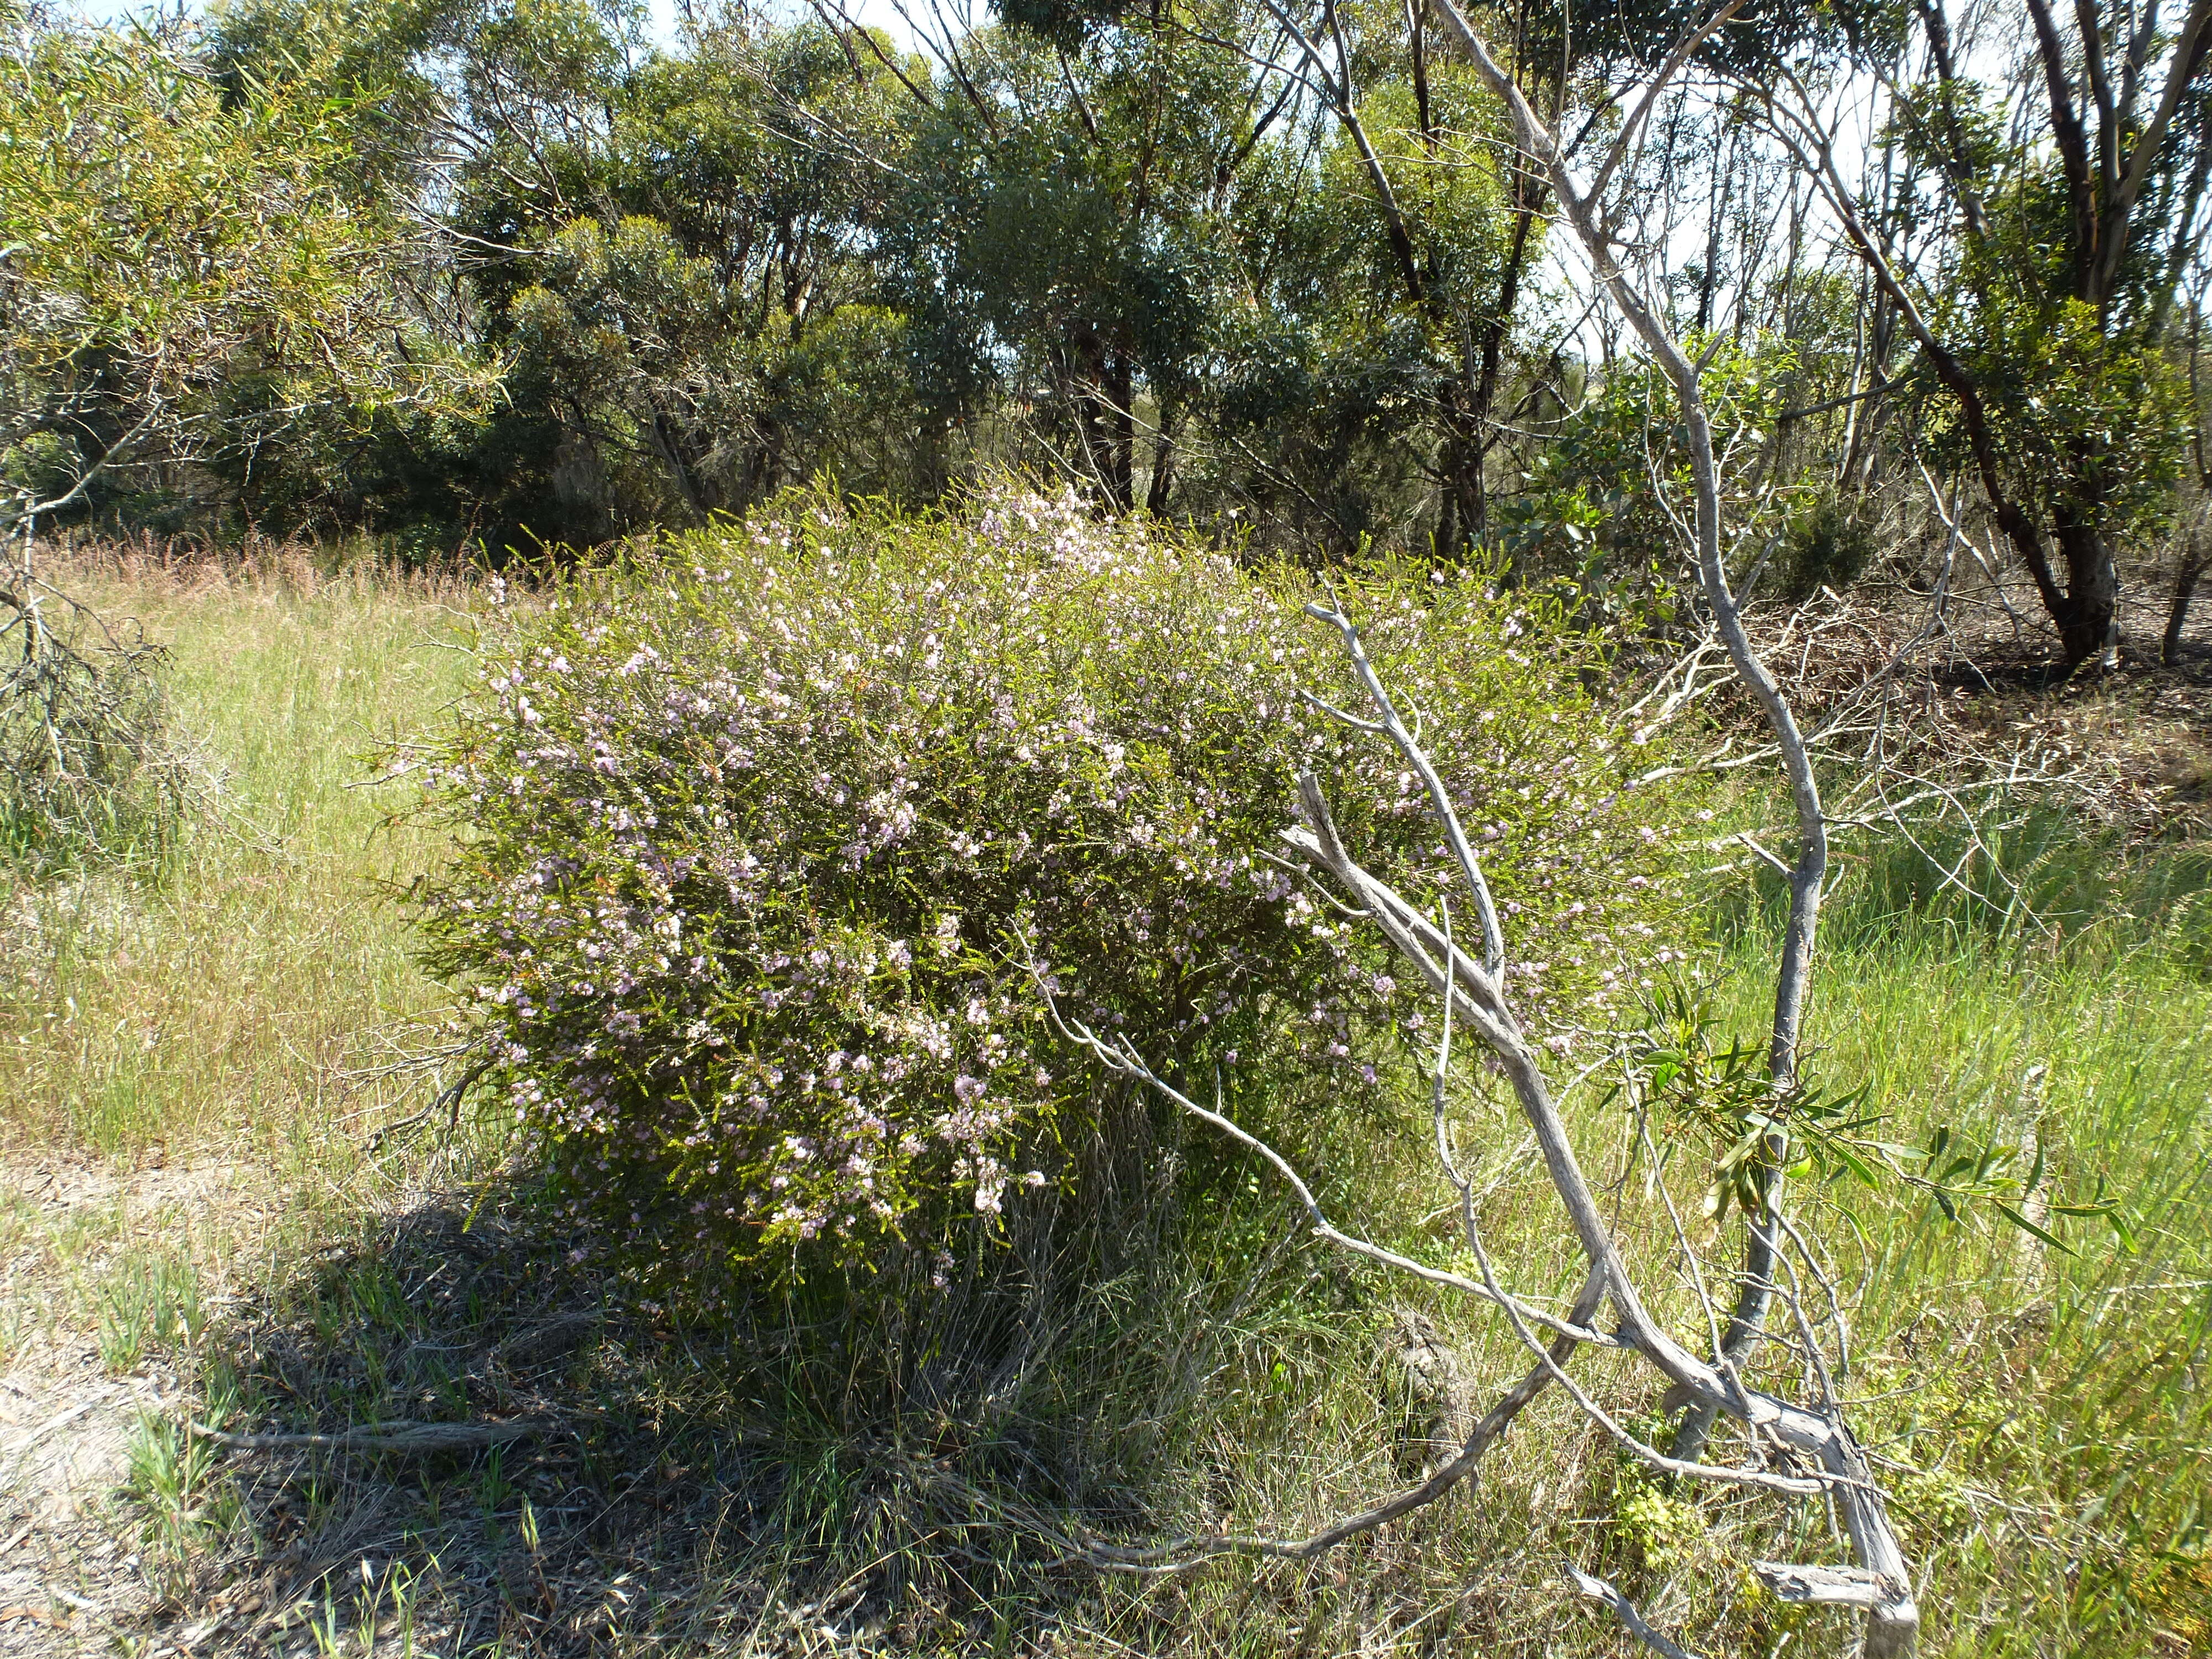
(221, 1000)
(2044, 1415)
(2052, 1403)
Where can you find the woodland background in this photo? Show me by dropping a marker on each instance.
(496, 491)
(508, 278)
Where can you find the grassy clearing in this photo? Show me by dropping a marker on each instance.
(225, 1213)
(227, 991)
(183, 1038)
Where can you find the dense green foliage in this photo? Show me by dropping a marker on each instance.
(2047, 365)
(1194, 257)
(763, 826)
(185, 268)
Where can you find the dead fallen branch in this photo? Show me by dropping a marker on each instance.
(1626, 1610)
(411, 1439)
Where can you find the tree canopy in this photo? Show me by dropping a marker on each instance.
(516, 273)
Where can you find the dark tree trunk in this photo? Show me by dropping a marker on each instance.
(1163, 478)
(2092, 588)
(1087, 393)
(1120, 414)
(1447, 520)
(1716, 221)
(2184, 588)
(1861, 471)
(1460, 525)
(1473, 492)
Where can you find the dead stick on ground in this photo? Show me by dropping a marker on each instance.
(391, 1437)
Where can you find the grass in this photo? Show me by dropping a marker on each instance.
(798, 1483)
(227, 991)
(186, 1036)
(2066, 1385)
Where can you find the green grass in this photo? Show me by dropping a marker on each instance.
(232, 993)
(194, 1046)
(2069, 1385)
(907, 1484)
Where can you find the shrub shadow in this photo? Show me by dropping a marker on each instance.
(803, 1474)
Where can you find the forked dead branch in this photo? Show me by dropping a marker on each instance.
(86, 759)
(1796, 1451)
(1799, 1451)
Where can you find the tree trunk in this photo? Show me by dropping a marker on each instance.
(1459, 524)
(2184, 588)
(1448, 519)
(2091, 623)
(1163, 454)
(1086, 390)
(1473, 513)
(1120, 419)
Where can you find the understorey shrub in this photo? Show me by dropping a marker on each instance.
(757, 830)
(90, 769)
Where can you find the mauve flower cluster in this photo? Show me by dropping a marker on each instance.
(752, 823)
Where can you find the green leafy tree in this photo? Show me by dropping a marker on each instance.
(188, 269)
(1061, 242)
(664, 248)
(681, 282)
(1387, 247)
(1140, 229)
(2060, 214)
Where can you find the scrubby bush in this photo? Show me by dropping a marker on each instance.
(753, 826)
(1827, 545)
(90, 768)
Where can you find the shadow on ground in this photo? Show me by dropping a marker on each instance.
(676, 1491)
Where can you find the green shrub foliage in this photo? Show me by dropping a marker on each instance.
(755, 825)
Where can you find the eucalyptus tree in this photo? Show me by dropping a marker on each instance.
(1142, 235)
(189, 271)
(2043, 192)
(1396, 253)
(660, 247)
(669, 245)
(1058, 242)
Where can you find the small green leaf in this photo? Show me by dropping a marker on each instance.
(2021, 1222)
(2120, 1226)
(1851, 1161)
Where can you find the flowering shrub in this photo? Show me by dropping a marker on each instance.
(753, 825)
